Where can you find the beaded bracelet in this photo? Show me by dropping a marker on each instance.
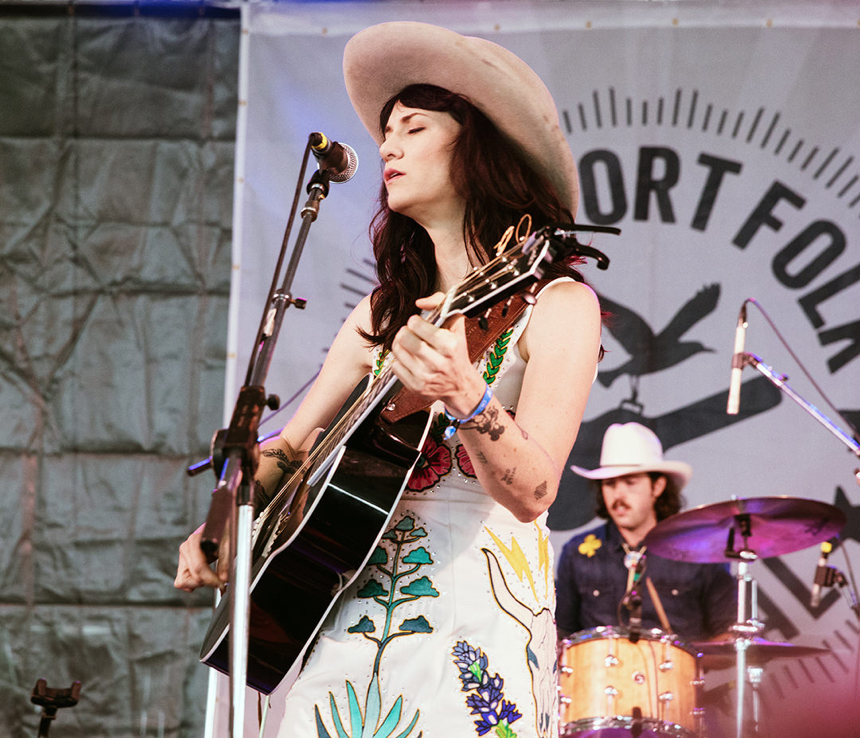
(455, 423)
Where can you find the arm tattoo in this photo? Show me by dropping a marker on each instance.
(480, 456)
(540, 490)
(508, 477)
(285, 463)
(487, 422)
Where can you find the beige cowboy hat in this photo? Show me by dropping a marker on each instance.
(632, 448)
(382, 60)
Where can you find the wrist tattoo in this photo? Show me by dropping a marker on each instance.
(508, 477)
(525, 435)
(541, 490)
(480, 456)
(286, 464)
(487, 422)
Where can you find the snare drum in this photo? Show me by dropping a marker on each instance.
(608, 685)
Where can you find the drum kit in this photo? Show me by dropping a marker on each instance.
(651, 685)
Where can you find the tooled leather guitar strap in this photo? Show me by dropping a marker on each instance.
(501, 317)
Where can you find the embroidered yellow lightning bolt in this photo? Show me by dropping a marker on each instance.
(517, 559)
(543, 556)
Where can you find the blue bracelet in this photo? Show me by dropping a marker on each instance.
(455, 423)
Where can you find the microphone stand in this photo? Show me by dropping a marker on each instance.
(235, 452)
(832, 577)
(634, 606)
(779, 381)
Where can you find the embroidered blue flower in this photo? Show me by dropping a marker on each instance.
(487, 700)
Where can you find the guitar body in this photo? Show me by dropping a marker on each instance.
(312, 541)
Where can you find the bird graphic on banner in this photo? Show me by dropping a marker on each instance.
(652, 352)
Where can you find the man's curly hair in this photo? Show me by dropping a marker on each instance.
(666, 504)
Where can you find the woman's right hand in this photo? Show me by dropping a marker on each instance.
(193, 570)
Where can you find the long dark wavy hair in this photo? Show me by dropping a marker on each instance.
(498, 186)
(665, 505)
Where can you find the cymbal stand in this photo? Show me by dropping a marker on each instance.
(746, 627)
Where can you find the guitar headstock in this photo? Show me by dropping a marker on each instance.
(522, 264)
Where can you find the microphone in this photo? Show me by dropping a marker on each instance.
(734, 402)
(634, 562)
(820, 574)
(339, 159)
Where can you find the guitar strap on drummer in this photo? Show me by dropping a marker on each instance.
(482, 331)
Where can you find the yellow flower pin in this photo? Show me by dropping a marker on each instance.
(590, 545)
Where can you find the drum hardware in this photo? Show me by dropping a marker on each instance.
(611, 697)
(767, 526)
(636, 723)
(610, 661)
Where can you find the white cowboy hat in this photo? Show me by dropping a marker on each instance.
(632, 448)
(380, 61)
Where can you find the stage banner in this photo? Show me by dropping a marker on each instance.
(724, 141)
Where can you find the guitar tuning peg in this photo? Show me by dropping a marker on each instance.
(506, 306)
(529, 298)
(483, 323)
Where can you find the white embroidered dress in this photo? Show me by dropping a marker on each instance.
(449, 631)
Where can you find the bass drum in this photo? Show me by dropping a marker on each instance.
(612, 688)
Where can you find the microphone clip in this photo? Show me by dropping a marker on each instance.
(633, 602)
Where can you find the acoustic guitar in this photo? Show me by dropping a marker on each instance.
(317, 533)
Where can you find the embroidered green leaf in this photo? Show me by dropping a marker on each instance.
(503, 730)
(410, 726)
(372, 589)
(419, 556)
(437, 427)
(475, 670)
(496, 355)
(365, 625)
(380, 362)
(372, 708)
(321, 731)
(391, 720)
(422, 587)
(419, 533)
(416, 625)
(335, 716)
(379, 556)
(355, 719)
(406, 523)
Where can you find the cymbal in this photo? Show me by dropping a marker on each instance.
(774, 526)
(758, 651)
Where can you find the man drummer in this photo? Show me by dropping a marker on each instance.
(637, 488)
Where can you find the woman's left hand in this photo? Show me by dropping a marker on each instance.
(434, 361)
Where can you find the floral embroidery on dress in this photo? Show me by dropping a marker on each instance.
(391, 590)
(434, 461)
(464, 463)
(487, 700)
